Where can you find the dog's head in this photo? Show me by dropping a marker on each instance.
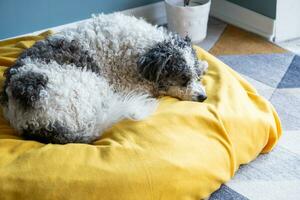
(175, 68)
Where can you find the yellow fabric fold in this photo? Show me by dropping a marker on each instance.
(185, 150)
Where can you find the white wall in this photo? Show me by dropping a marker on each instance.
(287, 20)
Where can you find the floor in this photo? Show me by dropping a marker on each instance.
(274, 70)
(216, 27)
(291, 45)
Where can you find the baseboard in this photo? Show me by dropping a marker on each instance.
(244, 18)
(154, 13)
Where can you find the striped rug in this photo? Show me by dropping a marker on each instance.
(275, 73)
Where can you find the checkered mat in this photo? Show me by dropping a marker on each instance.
(275, 73)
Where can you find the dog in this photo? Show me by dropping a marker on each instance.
(78, 82)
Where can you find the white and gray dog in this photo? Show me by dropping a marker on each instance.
(76, 83)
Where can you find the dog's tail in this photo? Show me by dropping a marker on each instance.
(138, 106)
(134, 106)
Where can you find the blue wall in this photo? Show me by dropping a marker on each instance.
(24, 16)
(264, 7)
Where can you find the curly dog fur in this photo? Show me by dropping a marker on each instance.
(75, 84)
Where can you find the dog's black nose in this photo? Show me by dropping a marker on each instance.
(201, 98)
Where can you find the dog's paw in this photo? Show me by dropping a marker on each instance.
(140, 106)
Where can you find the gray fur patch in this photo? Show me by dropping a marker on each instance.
(27, 87)
(56, 134)
(61, 51)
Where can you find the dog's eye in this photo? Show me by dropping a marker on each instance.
(185, 83)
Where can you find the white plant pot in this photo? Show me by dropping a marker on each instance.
(189, 20)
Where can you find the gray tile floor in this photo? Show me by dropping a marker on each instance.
(291, 45)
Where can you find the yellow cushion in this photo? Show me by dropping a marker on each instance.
(185, 150)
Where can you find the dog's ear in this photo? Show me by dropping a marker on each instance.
(151, 64)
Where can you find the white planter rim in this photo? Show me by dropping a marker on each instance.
(173, 4)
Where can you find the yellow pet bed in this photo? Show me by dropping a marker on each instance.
(185, 150)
